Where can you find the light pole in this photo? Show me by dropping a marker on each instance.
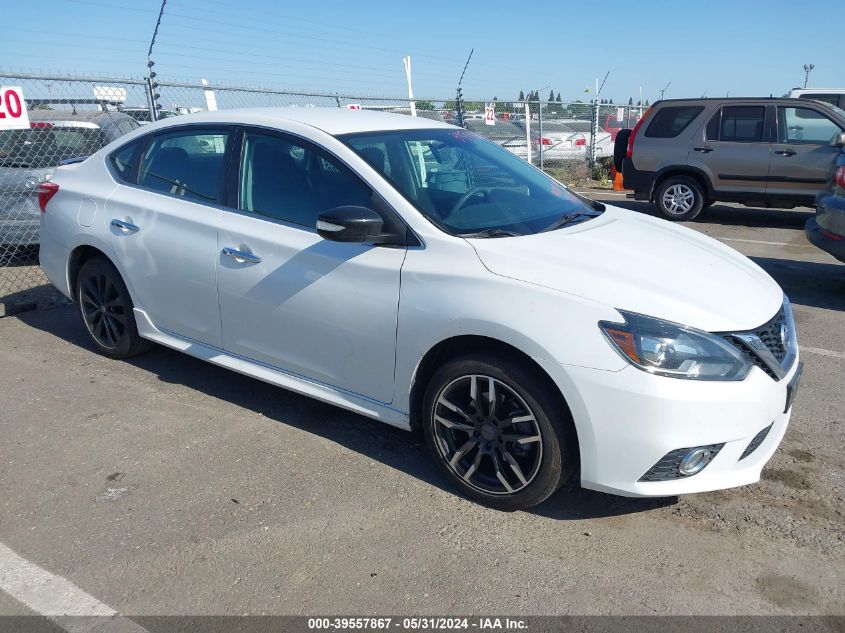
(807, 69)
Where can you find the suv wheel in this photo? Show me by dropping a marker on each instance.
(497, 432)
(679, 198)
(106, 310)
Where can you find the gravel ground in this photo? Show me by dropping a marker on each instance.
(168, 486)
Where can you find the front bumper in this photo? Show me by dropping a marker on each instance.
(628, 420)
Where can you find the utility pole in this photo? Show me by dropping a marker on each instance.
(807, 69)
(152, 95)
(459, 100)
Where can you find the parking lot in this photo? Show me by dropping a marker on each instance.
(166, 485)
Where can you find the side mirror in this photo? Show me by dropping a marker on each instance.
(350, 224)
(838, 140)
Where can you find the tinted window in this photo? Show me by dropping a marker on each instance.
(804, 125)
(187, 164)
(466, 184)
(670, 121)
(294, 182)
(742, 124)
(124, 161)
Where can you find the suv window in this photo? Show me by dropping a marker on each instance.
(294, 182)
(737, 124)
(670, 121)
(805, 125)
(186, 163)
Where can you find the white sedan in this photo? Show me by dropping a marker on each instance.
(418, 274)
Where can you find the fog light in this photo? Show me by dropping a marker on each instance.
(694, 461)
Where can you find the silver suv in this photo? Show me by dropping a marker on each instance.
(686, 154)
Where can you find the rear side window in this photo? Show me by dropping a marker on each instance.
(738, 124)
(124, 162)
(670, 121)
(187, 164)
(46, 145)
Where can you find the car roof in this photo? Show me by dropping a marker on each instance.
(333, 121)
(71, 115)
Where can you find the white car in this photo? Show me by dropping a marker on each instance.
(418, 274)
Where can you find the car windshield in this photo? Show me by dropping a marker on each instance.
(45, 145)
(469, 186)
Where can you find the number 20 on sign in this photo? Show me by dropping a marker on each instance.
(13, 114)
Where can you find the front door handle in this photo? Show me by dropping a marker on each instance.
(241, 257)
(125, 227)
(785, 152)
(703, 150)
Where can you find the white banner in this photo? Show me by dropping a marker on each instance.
(13, 114)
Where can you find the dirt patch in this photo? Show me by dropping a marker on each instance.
(791, 478)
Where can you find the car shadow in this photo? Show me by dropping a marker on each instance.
(728, 216)
(398, 449)
(814, 284)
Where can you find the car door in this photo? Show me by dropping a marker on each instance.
(319, 309)
(733, 149)
(163, 227)
(802, 155)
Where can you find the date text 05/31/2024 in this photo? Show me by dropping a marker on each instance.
(417, 623)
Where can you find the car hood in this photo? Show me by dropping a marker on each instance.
(634, 262)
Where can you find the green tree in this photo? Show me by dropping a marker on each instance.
(425, 105)
(630, 100)
(521, 96)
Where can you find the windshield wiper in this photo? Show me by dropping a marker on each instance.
(490, 233)
(571, 218)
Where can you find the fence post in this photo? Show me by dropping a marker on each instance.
(148, 88)
(528, 128)
(540, 130)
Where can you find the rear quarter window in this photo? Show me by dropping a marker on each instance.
(670, 121)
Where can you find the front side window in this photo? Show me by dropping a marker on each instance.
(738, 124)
(468, 185)
(805, 125)
(293, 182)
(188, 164)
(670, 121)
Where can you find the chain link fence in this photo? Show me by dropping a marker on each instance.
(74, 116)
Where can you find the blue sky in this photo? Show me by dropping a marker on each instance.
(741, 47)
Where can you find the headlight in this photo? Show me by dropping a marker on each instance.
(669, 349)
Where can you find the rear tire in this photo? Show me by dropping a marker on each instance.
(679, 198)
(106, 310)
(511, 455)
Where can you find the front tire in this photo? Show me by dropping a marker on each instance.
(679, 198)
(106, 310)
(498, 432)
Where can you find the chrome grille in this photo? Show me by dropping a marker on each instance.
(771, 347)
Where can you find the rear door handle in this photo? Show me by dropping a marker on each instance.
(241, 257)
(785, 152)
(703, 150)
(125, 227)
